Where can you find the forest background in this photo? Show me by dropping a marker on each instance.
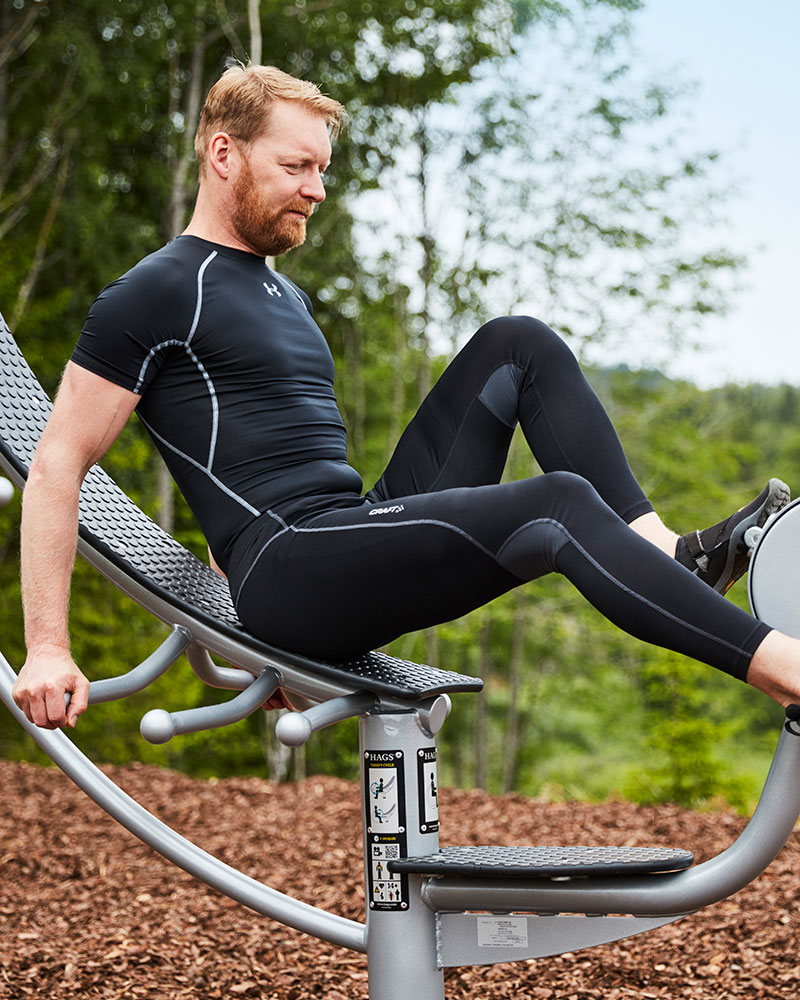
(502, 156)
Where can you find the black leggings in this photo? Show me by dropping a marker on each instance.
(439, 535)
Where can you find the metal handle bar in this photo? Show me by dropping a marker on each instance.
(294, 728)
(229, 678)
(159, 726)
(139, 677)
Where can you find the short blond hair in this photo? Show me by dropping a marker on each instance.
(240, 103)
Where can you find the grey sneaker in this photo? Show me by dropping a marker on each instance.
(718, 555)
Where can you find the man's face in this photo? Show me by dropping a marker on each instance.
(280, 181)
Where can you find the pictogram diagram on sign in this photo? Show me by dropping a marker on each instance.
(385, 805)
(383, 794)
(387, 887)
(428, 790)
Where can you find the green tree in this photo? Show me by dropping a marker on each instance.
(555, 182)
(97, 105)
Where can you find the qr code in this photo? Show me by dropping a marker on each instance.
(392, 851)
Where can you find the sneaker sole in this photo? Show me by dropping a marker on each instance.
(776, 499)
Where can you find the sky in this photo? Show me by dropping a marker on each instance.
(744, 59)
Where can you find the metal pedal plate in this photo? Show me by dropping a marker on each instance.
(546, 862)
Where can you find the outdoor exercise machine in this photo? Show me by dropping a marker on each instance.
(427, 908)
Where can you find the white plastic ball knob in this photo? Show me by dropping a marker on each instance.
(293, 729)
(6, 492)
(157, 726)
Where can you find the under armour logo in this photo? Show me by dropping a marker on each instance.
(273, 290)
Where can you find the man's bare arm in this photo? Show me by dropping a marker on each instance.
(88, 415)
(213, 564)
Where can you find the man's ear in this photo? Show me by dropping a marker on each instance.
(223, 155)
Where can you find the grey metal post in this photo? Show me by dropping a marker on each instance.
(401, 819)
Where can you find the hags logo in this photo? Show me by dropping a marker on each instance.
(387, 510)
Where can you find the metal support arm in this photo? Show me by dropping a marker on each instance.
(227, 678)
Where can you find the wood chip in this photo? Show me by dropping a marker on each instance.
(87, 912)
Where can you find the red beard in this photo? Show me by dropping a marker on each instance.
(268, 231)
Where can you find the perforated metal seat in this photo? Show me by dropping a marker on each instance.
(113, 526)
(546, 862)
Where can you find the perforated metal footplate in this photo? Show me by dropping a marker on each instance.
(546, 862)
(115, 528)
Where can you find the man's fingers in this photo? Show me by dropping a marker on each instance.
(277, 700)
(55, 709)
(43, 702)
(20, 696)
(37, 712)
(79, 701)
(23, 702)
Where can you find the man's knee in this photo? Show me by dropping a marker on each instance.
(518, 336)
(562, 496)
(556, 503)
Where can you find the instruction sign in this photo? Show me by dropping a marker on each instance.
(386, 828)
(428, 784)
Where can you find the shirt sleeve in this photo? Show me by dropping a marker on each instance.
(128, 334)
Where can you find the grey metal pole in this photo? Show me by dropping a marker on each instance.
(401, 818)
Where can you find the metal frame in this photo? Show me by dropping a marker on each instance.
(416, 925)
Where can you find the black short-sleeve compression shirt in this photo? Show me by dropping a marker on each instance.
(236, 381)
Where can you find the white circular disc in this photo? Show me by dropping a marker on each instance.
(774, 579)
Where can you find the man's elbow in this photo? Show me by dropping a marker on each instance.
(54, 471)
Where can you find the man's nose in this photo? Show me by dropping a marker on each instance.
(314, 189)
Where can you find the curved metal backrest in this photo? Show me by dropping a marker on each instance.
(163, 576)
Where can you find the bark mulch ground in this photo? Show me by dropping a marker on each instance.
(86, 911)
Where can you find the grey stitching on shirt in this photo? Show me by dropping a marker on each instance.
(167, 343)
(202, 468)
(290, 286)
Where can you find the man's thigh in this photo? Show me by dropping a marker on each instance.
(346, 581)
(460, 435)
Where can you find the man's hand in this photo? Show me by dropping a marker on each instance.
(42, 683)
(277, 700)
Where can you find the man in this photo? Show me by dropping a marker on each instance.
(225, 366)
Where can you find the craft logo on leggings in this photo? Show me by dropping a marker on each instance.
(387, 510)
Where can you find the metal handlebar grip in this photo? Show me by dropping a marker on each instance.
(295, 728)
(159, 726)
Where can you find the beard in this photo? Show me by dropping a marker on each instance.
(267, 230)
